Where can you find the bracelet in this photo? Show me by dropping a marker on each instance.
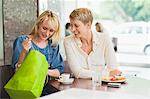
(18, 65)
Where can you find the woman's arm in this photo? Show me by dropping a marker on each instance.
(57, 65)
(110, 57)
(109, 53)
(21, 58)
(20, 49)
(26, 45)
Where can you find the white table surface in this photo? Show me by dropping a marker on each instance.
(76, 93)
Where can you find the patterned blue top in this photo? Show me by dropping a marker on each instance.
(52, 53)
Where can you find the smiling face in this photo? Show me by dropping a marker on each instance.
(78, 28)
(81, 21)
(47, 26)
(46, 29)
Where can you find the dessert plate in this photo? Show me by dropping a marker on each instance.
(115, 79)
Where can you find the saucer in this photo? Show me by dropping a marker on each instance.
(69, 81)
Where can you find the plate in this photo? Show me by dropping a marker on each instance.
(69, 81)
(115, 79)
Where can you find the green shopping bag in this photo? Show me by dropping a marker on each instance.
(28, 81)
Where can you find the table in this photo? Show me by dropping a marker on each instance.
(76, 93)
(133, 86)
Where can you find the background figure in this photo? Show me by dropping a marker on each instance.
(114, 41)
(99, 27)
(86, 48)
(67, 29)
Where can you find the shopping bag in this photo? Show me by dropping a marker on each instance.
(28, 81)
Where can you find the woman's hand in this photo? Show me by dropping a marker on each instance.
(54, 72)
(115, 72)
(26, 44)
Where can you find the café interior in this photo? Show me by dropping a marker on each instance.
(17, 17)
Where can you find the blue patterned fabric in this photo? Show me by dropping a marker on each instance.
(55, 60)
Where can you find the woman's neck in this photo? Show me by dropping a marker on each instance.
(39, 42)
(87, 39)
(87, 45)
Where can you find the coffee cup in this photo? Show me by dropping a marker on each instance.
(64, 77)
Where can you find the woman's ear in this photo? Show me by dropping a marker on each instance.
(89, 25)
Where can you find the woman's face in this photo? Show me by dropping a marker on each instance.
(45, 30)
(78, 28)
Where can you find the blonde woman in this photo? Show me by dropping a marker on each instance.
(85, 48)
(44, 38)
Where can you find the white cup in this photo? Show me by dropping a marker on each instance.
(64, 77)
(96, 76)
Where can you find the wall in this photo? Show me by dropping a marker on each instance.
(19, 17)
(1, 34)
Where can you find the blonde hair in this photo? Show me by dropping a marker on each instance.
(82, 14)
(53, 19)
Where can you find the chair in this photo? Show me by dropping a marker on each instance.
(66, 68)
(6, 72)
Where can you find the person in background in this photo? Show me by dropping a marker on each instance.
(114, 41)
(86, 48)
(44, 38)
(67, 29)
(99, 27)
